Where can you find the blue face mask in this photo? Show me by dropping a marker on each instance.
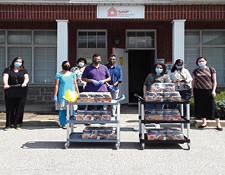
(17, 64)
(159, 71)
(202, 64)
(80, 64)
(179, 67)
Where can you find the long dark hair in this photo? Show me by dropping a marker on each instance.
(176, 62)
(164, 68)
(11, 66)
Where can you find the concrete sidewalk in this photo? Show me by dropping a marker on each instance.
(128, 117)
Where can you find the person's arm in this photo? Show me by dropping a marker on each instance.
(25, 81)
(56, 87)
(214, 84)
(76, 87)
(5, 79)
(188, 77)
(144, 91)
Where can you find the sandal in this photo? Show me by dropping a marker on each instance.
(17, 127)
(202, 126)
(219, 129)
(6, 129)
(64, 127)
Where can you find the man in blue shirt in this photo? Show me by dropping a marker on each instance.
(116, 78)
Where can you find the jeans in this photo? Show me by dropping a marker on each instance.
(81, 107)
(185, 94)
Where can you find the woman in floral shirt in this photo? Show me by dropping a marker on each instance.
(78, 70)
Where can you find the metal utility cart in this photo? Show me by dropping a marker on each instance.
(77, 136)
(143, 122)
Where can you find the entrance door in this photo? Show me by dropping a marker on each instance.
(140, 64)
(121, 60)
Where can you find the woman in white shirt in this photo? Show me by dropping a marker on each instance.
(182, 79)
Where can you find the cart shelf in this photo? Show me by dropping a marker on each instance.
(113, 120)
(186, 140)
(77, 137)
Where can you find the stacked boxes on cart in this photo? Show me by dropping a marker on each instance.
(163, 115)
(99, 133)
(163, 92)
(92, 115)
(94, 97)
(165, 134)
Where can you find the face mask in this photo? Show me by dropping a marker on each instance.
(96, 61)
(112, 61)
(80, 64)
(179, 67)
(17, 64)
(159, 71)
(202, 64)
(66, 67)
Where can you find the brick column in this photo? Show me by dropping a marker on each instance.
(62, 42)
(178, 39)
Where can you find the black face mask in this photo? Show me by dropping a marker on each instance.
(66, 67)
(96, 61)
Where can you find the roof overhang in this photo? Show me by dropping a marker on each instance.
(113, 2)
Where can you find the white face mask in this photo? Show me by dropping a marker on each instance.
(80, 64)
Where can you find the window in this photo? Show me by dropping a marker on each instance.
(38, 49)
(91, 39)
(209, 44)
(140, 39)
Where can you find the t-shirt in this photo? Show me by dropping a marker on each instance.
(153, 78)
(203, 78)
(14, 79)
(99, 73)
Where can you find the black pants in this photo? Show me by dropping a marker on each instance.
(14, 110)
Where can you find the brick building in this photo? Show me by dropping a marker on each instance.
(45, 33)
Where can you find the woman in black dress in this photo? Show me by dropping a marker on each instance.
(15, 79)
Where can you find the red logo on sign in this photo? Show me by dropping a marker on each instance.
(112, 12)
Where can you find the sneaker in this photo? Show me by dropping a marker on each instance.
(157, 126)
(136, 128)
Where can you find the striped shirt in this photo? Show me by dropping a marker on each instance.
(203, 78)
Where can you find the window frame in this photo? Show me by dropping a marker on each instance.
(32, 46)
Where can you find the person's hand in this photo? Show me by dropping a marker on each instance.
(213, 94)
(101, 82)
(111, 88)
(178, 80)
(54, 99)
(6, 86)
(94, 82)
(24, 85)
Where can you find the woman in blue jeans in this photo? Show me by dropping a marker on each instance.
(158, 76)
(182, 79)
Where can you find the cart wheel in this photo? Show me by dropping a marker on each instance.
(117, 146)
(67, 144)
(143, 146)
(188, 145)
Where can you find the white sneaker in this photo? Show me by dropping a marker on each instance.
(136, 128)
(157, 126)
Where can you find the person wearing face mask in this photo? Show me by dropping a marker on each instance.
(204, 91)
(182, 79)
(158, 76)
(64, 80)
(78, 70)
(96, 75)
(116, 78)
(15, 79)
